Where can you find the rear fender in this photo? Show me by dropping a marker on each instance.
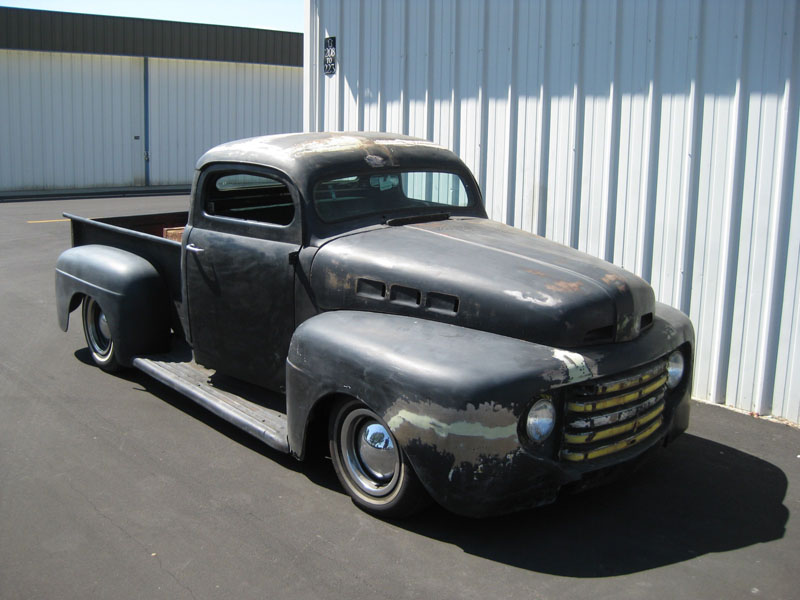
(127, 287)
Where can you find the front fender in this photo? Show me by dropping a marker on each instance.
(456, 398)
(452, 396)
(129, 290)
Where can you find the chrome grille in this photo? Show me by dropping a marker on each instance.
(608, 415)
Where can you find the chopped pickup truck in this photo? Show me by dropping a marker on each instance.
(349, 288)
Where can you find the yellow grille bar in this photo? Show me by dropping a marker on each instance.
(603, 434)
(595, 405)
(624, 383)
(612, 448)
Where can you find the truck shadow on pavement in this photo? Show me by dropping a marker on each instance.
(696, 498)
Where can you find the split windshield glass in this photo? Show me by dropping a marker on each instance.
(346, 198)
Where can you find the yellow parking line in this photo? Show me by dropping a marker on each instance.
(49, 221)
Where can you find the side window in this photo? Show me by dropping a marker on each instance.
(249, 198)
(439, 188)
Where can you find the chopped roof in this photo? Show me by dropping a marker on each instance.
(306, 156)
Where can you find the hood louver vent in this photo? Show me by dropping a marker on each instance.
(443, 304)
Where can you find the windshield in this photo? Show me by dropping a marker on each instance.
(355, 196)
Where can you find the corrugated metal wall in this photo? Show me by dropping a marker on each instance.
(70, 120)
(80, 120)
(661, 135)
(195, 105)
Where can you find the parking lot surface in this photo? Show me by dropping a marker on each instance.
(117, 487)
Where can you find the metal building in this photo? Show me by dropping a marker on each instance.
(88, 101)
(661, 135)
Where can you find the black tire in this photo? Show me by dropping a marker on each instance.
(372, 469)
(98, 336)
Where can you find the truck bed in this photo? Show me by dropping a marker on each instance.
(154, 237)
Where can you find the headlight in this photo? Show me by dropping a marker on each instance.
(675, 366)
(541, 420)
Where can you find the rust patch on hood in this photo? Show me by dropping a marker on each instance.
(565, 286)
(617, 281)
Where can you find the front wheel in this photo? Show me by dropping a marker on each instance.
(370, 465)
(98, 336)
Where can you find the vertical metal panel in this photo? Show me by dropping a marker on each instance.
(786, 394)
(442, 73)
(716, 243)
(330, 85)
(636, 85)
(371, 67)
(394, 55)
(469, 90)
(562, 64)
(78, 120)
(195, 105)
(496, 118)
(418, 69)
(769, 56)
(528, 178)
(660, 135)
(70, 120)
(677, 69)
(600, 120)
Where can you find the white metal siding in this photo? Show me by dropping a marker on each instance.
(195, 105)
(70, 120)
(659, 134)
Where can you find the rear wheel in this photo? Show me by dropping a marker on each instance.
(98, 336)
(370, 465)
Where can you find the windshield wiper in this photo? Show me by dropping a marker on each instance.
(417, 219)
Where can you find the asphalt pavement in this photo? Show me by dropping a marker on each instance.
(117, 487)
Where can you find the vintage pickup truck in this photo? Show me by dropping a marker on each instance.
(350, 287)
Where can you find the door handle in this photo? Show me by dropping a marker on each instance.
(193, 248)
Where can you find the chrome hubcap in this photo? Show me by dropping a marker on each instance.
(376, 451)
(369, 453)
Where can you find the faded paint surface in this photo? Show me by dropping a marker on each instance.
(526, 297)
(461, 428)
(576, 365)
(467, 437)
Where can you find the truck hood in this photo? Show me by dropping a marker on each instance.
(483, 275)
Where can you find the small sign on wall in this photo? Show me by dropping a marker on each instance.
(329, 56)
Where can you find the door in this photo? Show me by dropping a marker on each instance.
(239, 279)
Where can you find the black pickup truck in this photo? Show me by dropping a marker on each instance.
(350, 287)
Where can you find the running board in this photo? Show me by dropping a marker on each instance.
(194, 382)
